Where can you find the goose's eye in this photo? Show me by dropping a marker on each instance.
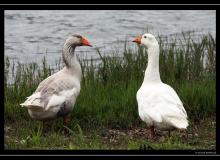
(145, 36)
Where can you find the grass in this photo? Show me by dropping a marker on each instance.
(201, 136)
(107, 101)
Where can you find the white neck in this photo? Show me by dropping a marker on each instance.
(152, 73)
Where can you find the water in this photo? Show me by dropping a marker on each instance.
(32, 34)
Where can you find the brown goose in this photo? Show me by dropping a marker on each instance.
(56, 95)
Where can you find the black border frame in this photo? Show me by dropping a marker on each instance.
(104, 152)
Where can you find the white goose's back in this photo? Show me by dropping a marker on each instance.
(159, 105)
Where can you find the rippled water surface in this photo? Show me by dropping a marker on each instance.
(32, 34)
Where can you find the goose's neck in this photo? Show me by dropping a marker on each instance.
(69, 56)
(152, 73)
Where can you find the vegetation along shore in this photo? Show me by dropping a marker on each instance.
(105, 115)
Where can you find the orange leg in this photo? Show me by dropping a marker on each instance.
(152, 131)
(66, 120)
(45, 126)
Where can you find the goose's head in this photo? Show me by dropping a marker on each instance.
(77, 40)
(147, 39)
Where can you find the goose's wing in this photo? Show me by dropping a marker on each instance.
(161, 103)
(172, 109)
(53, 91)
(171, 97)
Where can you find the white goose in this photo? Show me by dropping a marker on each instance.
(158, 104)
(56, 95)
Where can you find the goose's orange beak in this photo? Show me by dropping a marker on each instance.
(85, 42)
(137, 40)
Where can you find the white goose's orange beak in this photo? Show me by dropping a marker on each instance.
(85, 42)
(137, 40)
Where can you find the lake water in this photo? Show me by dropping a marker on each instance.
(32, 34)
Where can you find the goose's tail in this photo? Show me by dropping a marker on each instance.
(180, 123)
(33, 101)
